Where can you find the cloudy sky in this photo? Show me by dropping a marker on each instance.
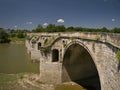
(27, 14)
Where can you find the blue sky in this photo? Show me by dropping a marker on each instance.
(27, 14)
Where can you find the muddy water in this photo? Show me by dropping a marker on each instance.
(14, 59)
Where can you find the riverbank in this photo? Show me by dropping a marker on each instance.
(30, 81)
(19, 81)
(16, 40)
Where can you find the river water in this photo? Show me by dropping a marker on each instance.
(14, 59)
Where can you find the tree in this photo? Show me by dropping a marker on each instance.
(69, 29)
(51, 28)
(4, 37)
(116, 30)
(60, 28)
(20, 35)
(39, 29)
(104, 29)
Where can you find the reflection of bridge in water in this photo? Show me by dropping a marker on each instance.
(77, 57)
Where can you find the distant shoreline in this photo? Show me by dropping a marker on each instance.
(17, 42)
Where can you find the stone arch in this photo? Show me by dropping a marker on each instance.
(55, 55)
(79, 66)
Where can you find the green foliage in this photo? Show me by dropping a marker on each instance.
(14, 39)
(39, 29)
(62, 28)
(116, 30)
(17, 35)
(46, 50)
(20, 35)
(12, 35)
(118, 55)
(4, 37)
(51, 28)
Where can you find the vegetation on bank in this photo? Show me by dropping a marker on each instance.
(118, 55)
(62, 28)
(7, 36)
(4, 37)
(19, 35)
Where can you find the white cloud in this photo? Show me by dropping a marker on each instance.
(113, 19)
(15, 26)
(29, 23)
(60, 21)
(45, 24)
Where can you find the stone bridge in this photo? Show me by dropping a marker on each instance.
(84, 57)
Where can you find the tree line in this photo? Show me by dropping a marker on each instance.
(6, 35)
(62, 28)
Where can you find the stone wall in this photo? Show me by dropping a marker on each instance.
(105, 58)
(50, 72)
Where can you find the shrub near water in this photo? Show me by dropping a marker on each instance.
(118, 55)
(4, 37)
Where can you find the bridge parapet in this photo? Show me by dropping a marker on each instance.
(111, 38)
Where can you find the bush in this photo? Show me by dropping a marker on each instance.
(4, 37)
(118, 55)
(20, 35)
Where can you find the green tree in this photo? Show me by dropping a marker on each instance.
(50, 28)
(116, 30)
(20, 35)
(71, 28)
(39, 29)
(104, 29)
(4, 37)
(60, 28)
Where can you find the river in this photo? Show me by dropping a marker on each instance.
(14, 59)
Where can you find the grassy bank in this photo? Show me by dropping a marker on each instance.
(17, 40)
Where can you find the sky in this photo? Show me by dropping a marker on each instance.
(27, 14)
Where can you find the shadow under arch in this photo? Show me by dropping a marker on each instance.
(78, 66)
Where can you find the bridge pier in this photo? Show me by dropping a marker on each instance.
(50, 72)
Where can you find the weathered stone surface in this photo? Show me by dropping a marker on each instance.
(102, 47)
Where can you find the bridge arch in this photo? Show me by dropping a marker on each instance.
(79, 66)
